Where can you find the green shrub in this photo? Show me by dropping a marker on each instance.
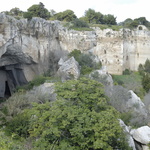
(86, 61)
(7, 143)
(79, 119)
(86, 70)
(18, 125)
(141, 69)
(35, 82)
(127, 72)
(77, 23)
(146, 82)
(126, 117)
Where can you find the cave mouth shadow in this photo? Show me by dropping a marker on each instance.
(7, 90)
(11, 76)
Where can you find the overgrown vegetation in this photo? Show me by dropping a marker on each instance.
(80, 118)
(35, 82)
(144, 70)
(86, 61)
(91, 18)
(37, 10)
(131, 81)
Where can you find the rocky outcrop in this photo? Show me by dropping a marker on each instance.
(102, 76)
(135, 102)
(142, 136)
(42, 93)
(126, 130)
(29, 43)
(26, 44)
(117, 50)
(68, 69)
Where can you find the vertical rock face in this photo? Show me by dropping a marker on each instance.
(118, 50)
(26, 44)
(136, 46)
(106, 44)
(29, 43)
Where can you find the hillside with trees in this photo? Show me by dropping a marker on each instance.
(79, 108)
(89, 18)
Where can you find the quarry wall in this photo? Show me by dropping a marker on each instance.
(29, 44)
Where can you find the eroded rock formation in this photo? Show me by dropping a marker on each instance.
(29, 43)
(24, 49)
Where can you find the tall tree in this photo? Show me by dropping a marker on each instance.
(37, 10)
(110, 19)
(67, 15)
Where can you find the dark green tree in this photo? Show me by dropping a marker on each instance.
(147, 66)
(79, 119)
(90, 15)
(67, 15)
(79, 23)
(109, 19)
(15, 12)
(93, 17)
(38, 10)
(141, 69)
(141, 21)
(146, 82)
(127, 22)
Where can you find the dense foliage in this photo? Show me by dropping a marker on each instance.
(86, 61)
(144, 70)
(90, 18)
(129, 23)
(67, 15)
(80, 118)
(37, 10)
(93, 17)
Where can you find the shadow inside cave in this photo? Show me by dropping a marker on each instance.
(11, 76)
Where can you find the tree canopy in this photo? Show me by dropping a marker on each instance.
(80, 118)
(37, 10)
(67, 15)
(91, 16)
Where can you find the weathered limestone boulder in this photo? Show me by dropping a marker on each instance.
(102, 76)
(135, 102)
(128, 136)
(141, 134)
(42, 93)
(68, 69)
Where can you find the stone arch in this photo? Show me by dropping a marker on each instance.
(140, 28)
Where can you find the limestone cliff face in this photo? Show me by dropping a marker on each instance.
(118, 50)
(28, 44)
(136, 47)
(106, 44)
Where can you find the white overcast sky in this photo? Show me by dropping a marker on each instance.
(122, 9)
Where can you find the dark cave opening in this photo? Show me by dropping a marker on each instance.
(7, 90)
(11, 76)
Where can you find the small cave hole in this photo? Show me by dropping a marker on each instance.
(7, 90)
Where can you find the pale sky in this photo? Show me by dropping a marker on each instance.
(122, 9)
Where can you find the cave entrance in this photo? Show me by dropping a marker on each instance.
(11, 76)
(7, 90)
